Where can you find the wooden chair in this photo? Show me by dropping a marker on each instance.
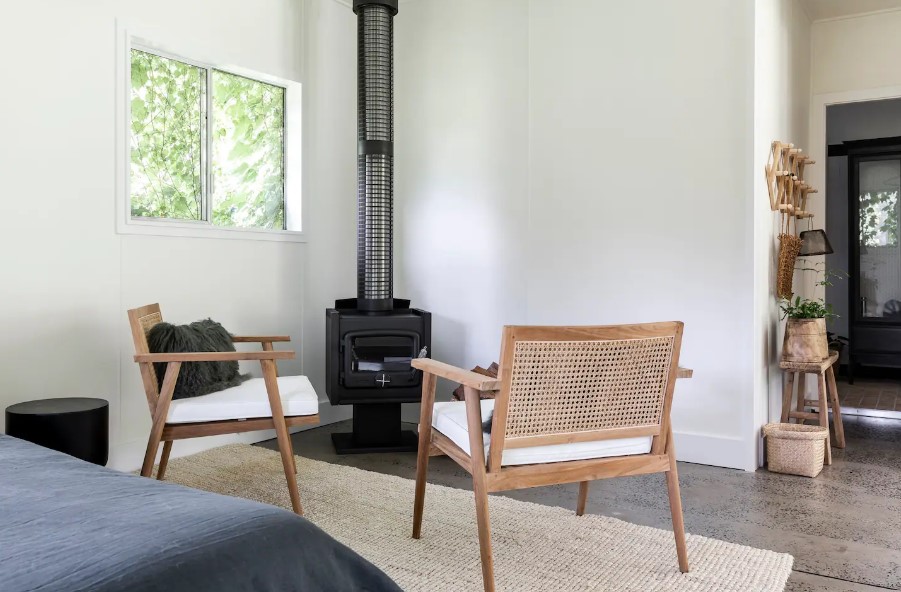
(574, 404)
(257, 404)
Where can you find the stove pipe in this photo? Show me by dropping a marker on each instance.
(375, 153)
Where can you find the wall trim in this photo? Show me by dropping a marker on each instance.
(846, 17)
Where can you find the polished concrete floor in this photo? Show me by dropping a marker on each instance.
(843, 528)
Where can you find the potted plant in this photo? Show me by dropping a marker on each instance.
(805, 331)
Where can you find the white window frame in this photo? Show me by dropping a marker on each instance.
(128, 39)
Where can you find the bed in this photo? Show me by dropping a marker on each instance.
(69, 526)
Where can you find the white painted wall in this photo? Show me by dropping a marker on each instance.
(781, 106)
(461, 188)
(330, 177)
(855, 53)
(629, 200)
(640, 190)
(67, 276)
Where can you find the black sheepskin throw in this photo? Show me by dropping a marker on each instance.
(196, 378)
(486, 425)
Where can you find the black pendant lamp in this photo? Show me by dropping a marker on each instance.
(814, 242)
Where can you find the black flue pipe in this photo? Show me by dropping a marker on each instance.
(375, 153)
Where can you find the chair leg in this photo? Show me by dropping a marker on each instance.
(164, 460)
(481, 492)
(422, 453)
(422, 468)
(159, 417)
(583, 497)
(153, 445)
(287, 452)
(281, 431)
(675, 504)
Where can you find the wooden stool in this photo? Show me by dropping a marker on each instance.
(828, 396)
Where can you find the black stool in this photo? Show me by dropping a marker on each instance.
(75, 425)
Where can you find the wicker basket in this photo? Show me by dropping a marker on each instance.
(795, 449)
(789, 247)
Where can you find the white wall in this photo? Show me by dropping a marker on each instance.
(640, 190)
(628, 200)
(67, 276)
(461, 102)
(330, 178)
(856, 53)
(781, 106)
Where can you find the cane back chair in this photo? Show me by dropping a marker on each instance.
(573, 404)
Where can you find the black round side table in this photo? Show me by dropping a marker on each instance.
(75, 425)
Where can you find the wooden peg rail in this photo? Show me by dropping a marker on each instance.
(788, 191)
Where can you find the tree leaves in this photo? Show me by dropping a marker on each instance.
(879, 219)
(248, 152)
(168, 126)
(166, 98)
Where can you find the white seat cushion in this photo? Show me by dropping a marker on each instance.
(247, 400)
(450, 419)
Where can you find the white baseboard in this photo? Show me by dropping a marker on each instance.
(717, 451)
(128, 456)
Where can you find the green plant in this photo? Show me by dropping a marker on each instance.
(812, 308)
(806, 308)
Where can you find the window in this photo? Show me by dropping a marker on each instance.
(206, 146)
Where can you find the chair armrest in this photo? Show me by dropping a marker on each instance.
(464, 377)
(259, 338)
(684, 372)
(215, 356)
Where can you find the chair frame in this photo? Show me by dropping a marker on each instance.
(159, 397)
(494, 477)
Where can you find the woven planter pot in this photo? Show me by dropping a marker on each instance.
(805, 341)
(795, 449)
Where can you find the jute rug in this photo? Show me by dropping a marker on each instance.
(535, 547)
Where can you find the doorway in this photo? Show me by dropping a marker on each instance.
(863, 185)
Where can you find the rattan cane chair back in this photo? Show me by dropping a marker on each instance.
(585, 383)
(142, 320)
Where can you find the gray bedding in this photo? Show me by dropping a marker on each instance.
(69, 526)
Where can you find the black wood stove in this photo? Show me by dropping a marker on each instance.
(372, 338)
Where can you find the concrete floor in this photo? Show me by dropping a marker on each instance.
(843, 528)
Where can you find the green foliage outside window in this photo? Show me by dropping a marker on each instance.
(248, 152)
(879, 219)
(167, 99)
(169, 155)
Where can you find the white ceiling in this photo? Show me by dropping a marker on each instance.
(827, 9)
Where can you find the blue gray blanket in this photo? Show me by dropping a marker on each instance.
(69, 526)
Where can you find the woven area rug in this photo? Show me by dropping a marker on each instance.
(535, 547)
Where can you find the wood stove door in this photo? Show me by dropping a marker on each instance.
(380, 359)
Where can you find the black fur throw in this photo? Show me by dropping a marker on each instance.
(195, 378)
(486, 425)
